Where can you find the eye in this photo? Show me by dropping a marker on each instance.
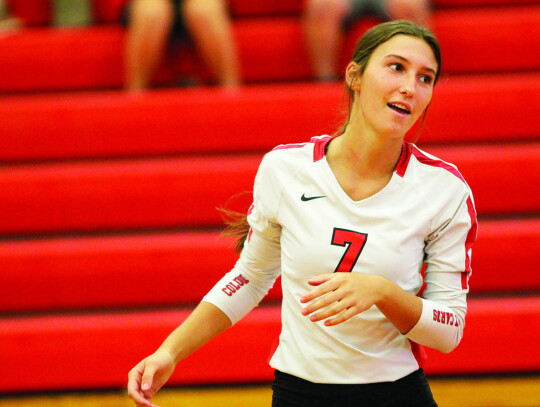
(396, 66)
(427, 79)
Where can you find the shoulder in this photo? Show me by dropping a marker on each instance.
(435, 173)
(286, 158)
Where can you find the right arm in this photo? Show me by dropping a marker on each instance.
(221, 307)
(239, 291)
(204, 323)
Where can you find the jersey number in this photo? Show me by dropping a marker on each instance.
(354, 242)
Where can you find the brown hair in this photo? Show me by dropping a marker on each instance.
(236, 222)
(378, 35)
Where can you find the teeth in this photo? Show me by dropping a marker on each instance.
(400, 107)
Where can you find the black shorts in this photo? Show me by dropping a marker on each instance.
(179, 30)
(410, 391)
(365, 8)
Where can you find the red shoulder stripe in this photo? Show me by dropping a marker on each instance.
(404, 158)
(320, 147)
(424, 159)
(287, 146)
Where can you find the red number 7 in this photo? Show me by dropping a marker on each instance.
(354, 241)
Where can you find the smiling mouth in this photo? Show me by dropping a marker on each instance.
(398, 108)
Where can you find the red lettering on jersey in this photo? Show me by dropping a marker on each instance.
(444, 317)
(233, 286)
(244, 280)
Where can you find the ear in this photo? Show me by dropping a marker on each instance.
(353, 76)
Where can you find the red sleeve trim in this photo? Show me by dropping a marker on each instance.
(471, 238)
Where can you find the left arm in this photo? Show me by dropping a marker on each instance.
(348, 294)
(437, 320)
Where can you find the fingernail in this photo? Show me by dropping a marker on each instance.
(327, 323)
(145, 386)
(313, 318)
(304, 312)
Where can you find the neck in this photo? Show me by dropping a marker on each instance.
(365, 153)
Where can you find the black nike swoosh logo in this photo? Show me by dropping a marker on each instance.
(306, 198)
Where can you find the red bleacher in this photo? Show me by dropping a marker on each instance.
(465, 108)
(109, 345)
(109, 228)
(59, 274)
(270, 49)
(184, 191)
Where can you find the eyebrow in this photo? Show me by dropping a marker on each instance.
(406, 60)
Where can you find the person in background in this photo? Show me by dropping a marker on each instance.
(152, 23)
(326, 20)
(348, 221)
(8, 22)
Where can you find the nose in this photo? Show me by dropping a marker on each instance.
(408, 87)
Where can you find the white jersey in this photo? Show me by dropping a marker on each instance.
(303, 224)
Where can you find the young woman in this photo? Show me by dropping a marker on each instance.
(349, 221)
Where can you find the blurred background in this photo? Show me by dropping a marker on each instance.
(123, 125)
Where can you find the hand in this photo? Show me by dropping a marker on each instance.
(149, 376)
(344, 295)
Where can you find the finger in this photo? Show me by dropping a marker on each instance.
(321, 279)
(325, 301)
(147, 381)
(344, 316)
(134, 382)
(139, 399)
(330, 285)
(332, 310)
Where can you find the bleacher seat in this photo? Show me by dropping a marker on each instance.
(85, 273)
(109, 345)
(466, 109)
(270, 49)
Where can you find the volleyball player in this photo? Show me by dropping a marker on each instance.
(348, 222)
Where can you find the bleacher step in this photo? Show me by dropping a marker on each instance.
(98, 350)
(175, 192)
(270, 49)
(466, 109)
(107, 272)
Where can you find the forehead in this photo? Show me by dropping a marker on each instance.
(414, 49)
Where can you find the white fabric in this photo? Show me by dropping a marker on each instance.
(422, 215)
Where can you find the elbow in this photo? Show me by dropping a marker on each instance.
(449, 346)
